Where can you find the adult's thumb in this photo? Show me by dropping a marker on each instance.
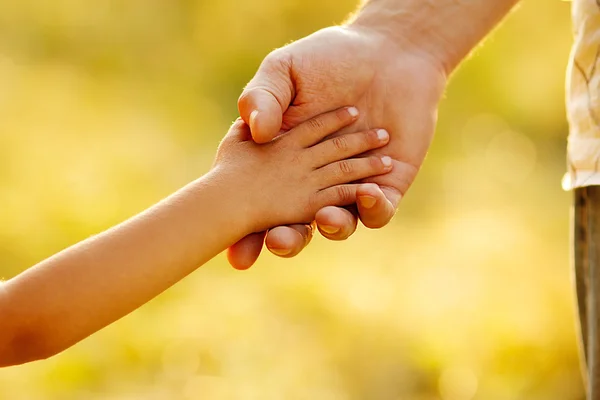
(266, 98)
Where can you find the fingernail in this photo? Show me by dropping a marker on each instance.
(253, 115)
(330, 230)
(367, 201)
(387, 161)
(353, 111)
(382, 135)
(280, 252)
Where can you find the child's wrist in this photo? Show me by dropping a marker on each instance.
(231, 201)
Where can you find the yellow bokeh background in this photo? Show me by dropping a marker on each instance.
(107, 107)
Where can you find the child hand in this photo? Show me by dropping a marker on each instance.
(289, 179)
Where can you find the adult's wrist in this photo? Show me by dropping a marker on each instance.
(395, 29)
(445, 31)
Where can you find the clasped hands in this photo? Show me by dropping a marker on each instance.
(395, 88)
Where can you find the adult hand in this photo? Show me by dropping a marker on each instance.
(394, 85)
(392, 62)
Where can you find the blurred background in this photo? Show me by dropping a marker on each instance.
(106, 107)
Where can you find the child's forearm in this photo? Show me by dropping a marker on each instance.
(250, 188)
(87, 286)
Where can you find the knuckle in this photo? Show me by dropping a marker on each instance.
(344, 194)
(244, 98)
(340, 143)
(316, 124)
(346, 167)
(277, 57)
(314, 202)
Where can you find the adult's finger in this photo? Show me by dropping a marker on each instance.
(375, 209)
(244, 253)
(267, 96)
(336, 223)
(288, 241)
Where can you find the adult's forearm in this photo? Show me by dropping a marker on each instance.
(447, 30)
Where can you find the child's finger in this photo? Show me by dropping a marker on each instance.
(348, 145)
(340, 196)
(353, 169)
(316, 129)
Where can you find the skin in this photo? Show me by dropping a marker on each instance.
(392, 60)
(78, 291)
